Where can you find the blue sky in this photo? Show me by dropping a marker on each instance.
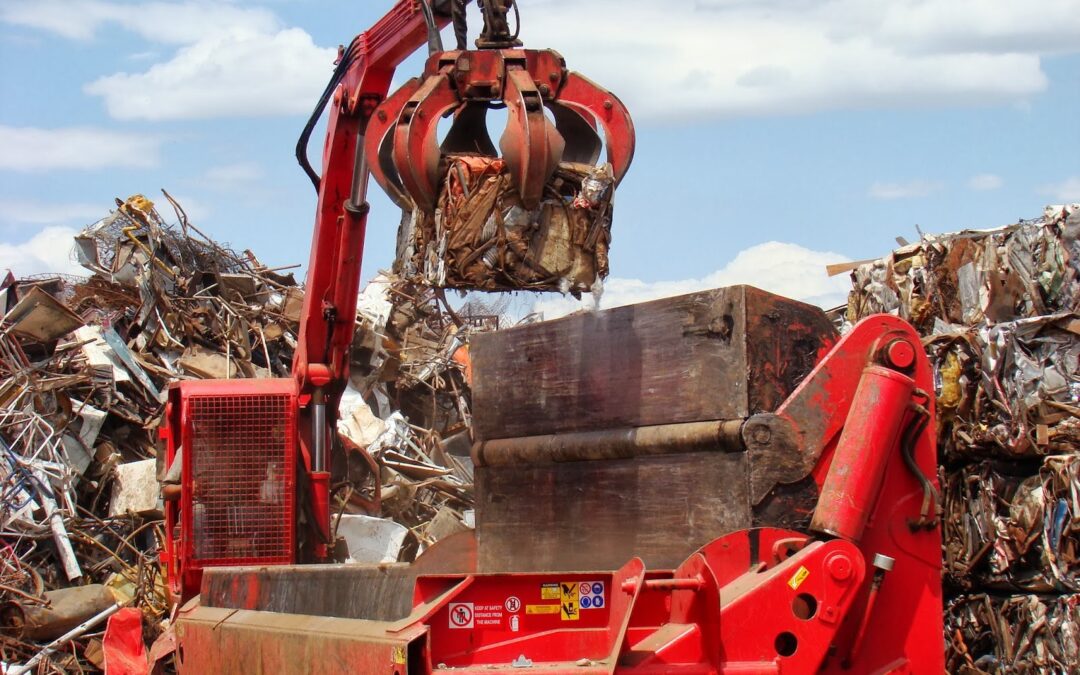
(773, 136)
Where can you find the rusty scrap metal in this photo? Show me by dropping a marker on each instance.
(80, 405)
(990, 635)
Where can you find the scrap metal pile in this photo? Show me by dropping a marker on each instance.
(999, 311)
(405, 421)
(85, 364)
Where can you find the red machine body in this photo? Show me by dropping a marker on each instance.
(238, 503)
(860, 592)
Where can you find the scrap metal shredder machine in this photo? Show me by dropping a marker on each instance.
(766, 504)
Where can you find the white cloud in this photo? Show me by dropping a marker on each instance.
(34, 149)
(229, 176)
(75, 20)
(24, 211)
(783, 268)
(982, 25)
(985, 182)
(736, 57)
(1067, 190)
(706, 61)
(231, 61)
(241, 73)
(48, 251)
(904, 190)
(163, 22)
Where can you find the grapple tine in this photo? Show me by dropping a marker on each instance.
(530, 145)
(469, 132)
(583, 144)
(416, 150)
(378, 143)
(584, 96)
(395, 189)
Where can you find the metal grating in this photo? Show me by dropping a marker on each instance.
(244, 469)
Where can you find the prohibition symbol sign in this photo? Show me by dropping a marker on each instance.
(512, 604)
(461, 615)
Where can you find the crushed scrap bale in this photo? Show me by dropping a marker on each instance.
(480, 237)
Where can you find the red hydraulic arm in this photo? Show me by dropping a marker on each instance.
(321, 364)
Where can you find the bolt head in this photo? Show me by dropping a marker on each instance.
(900, 354)
(840, 567)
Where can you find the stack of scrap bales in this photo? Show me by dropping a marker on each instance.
(998, 312)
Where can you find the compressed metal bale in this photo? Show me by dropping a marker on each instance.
(995, 635)
(998, 312)
(1011, 526)
(481, 237)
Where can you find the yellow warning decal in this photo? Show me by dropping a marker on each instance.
(399, 656)
(541, 609)
(570, 603)
(800, 576)
(550, 592)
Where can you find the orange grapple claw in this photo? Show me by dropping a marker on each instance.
(552, 116)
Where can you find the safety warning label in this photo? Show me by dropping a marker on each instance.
(488, 615)
(800, 576)
(569, 604)
(591, 595)
(461, 615)
(573, 597)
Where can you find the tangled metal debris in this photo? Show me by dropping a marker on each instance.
(85, 365)
(999, 311)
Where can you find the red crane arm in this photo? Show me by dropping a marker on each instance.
(327, 320)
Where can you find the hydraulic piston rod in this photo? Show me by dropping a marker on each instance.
(659, 439)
